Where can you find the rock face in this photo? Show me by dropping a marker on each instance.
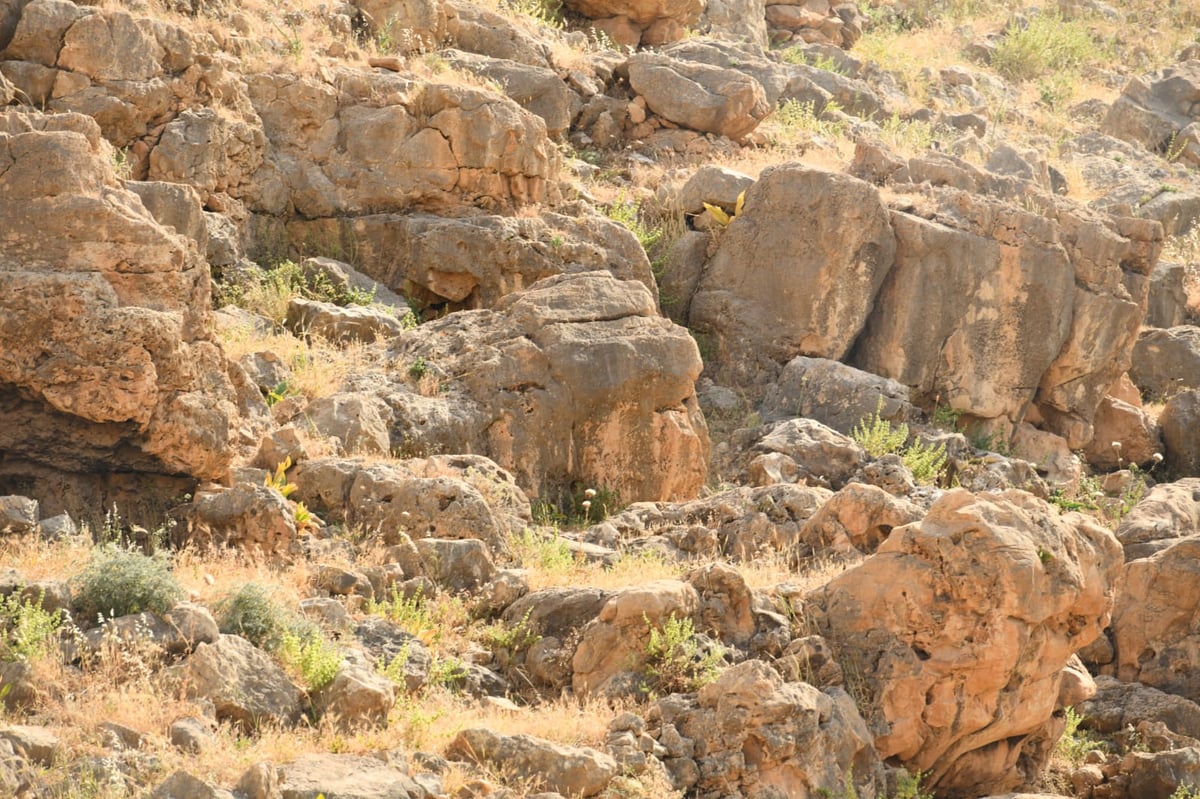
(1158, 111)
(576, 380)
(1165, 361)
(797, 272)
(698, 96)
(834, 394)
(749, 733)
(961, 625)
(568, 770)
(109, 363)
(242, 682)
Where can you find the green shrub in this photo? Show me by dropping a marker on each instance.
(926, 462)
(877, 436)
(311, 655)
(1074, 743)
(1047, 45)
(29, 629)
(118, 582)
(675, 660)
(255, 615)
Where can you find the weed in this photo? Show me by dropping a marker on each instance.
(413, 614)
(926, 462)
(311, 655)
(797, 117)
(1047, 45)
(418, 368)
(118, 582)
(254, 615)
(877, 436)
(541, 552)
(630, 214)
(1074, 743)
(676, 662)
(543, 12)
(1186, 792)
(720, 216)
(279, 392)
(516, 638)
(121, 163)
(29, 628)
(278, 479)
(905, 135)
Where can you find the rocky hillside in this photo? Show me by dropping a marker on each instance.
(619, 398)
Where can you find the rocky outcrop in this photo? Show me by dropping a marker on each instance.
(1166, 361)
(788, 279)
(836, 395)
(109, 363)
(699, 96)
(961, 625)
(568, 770)
(243, 683)
(575, 380)
(1158, 111)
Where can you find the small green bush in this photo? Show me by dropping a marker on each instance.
(313, 656)
(877, 436)
(255, 615)
(29, 629)
(118, 582)
(1047, 45)
(675, 660)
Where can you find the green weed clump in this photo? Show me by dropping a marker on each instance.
(676, 661)
(255, 615)
(1047, 45)
(311, 655)
(28, 630)
(878, 437)
(118, 582)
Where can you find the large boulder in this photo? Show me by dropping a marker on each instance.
(750, 733)
(1180, 422)
(1117, 705)
(108, 361)
(568, 770)
(346, 777)
(699, 96)
(1165, 361)
(473, 262)
(243, 683)
(1169, 512)
(1131, 429)
(960, 626)
(797, 271)
(836, 395)
(576, 380)
(1158, 111)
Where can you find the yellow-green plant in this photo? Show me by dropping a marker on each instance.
(719, 214)
(312, 656)
(675, 660)
(1047, 44)
(28, 628)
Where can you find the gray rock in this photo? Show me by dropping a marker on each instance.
(359, 423)
(573, 771)
(384, 641)
(358, 696)
(1166, 361)
(1180, 423)
(698, 96)
(1167, 304)
(836, 395)
(242, 682)
(18, 514)
(190, 735)
(346, 777)
(341, 323)
(463, 565)
(182, 785)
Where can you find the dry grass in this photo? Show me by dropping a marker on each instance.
(319, 367)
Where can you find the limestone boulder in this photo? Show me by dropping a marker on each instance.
(1180, 423)
(357, 696)
(836, 395)
(109, 358)
(464, 565)
(612, 648)
(358, 423)
(537, 89)
(1134, 432)
(962, 624)
(348, 776)
(361, 142)
(750, 733)
(858, 518)
(243, 683)
(576, 380)
(419, 26)
(1157, 111)
(342, 323)
(1166, 361)
(796, 273)
(213, 152)
(699, 96)
(1168, 512)
(473, 262)
(737, 19)
(1118, 705)
(567, 770)
(1167, 303)
(817, 452)
(246, 516)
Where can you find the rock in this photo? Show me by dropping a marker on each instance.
(1162, 773)
(191, 735)
(569, 770)
(856, 519)
(22, 689)
(764, 300)
(457, 565)
(825, 455)
(104, 373)
(358, 696)
(1180, 421)
(246, 516)
(1167, 513)
(346, 777)
(182, 785)
(260, 781)
(574, 381)
(836, 395)
(714, 185)
(536, 89)
(1166, 361)
(1157, 110)
(191, 625)
(1051, 455)
(1167, 304)
(341, 323)
(384, 641)
(741, 19)
(242, 682)
(18, 515)
(359, 423)
(1118, 705)
(698, 96)
(340, 581)
(613, 646)
(474, 262)
(1019, 588)
(750, 731)
(349, 282)
(726, 604)
(1132, 428)
(37, 744)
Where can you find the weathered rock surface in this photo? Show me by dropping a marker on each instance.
(349, 776)
(834, 394)
(1133, 430)
(243, 683)
(575, 380)
(788, 279)
(962, 624)
(699, 96)
(109, 362)
(342, 323)
(1158, 111)
(568, 770)
(752, 734)
(1118, 705)
(1166, 361)
(1169, 512)
(1180, 423)
(247, 516)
